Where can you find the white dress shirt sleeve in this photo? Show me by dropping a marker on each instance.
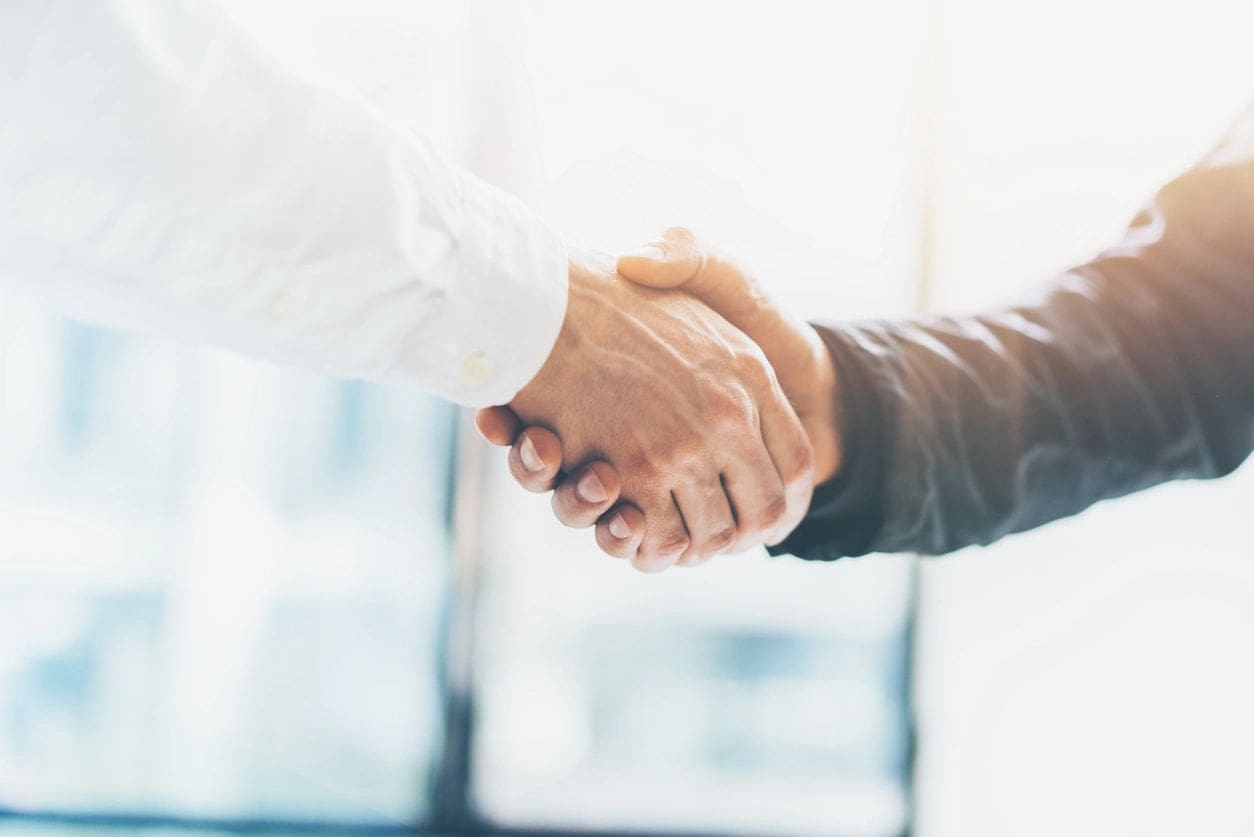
(159, 172)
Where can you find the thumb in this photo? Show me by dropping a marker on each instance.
(679, 258)
(669, 261)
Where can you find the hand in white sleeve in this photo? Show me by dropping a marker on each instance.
(159, 172)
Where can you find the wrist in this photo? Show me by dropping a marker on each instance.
(847, 512)
(824, 427)
(585, 306)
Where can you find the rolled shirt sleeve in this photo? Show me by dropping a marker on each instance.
(160, 172)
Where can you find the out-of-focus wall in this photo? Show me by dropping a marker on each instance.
(221, 582)
(223, 585)
(752, 695)
(1092, 678)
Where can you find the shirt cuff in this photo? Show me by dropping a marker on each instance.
(847, 513)
(510, 301)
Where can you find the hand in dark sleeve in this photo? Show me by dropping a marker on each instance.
(1134, 369)
(934, 434)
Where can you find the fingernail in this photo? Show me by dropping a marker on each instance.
(590, 488)
(530, 456)
(619, 527)
(650, 252)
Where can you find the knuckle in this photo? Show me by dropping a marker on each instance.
(644, 564)
(645, 469)
(774, 509)
(679, 235)
(678, 456)
(647, 562)
(732, 411)
(654, 476)
(800, 462)
(696, 458)
(694, 560)
(685, 451)
(670, 543)
(719, 541)
(732, 402)
(756, 369)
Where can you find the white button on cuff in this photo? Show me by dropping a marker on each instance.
(285, 305)
(475, 369)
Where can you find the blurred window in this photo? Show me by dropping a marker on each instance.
(753, 695)
(1092, 677)
(221, 584)
(230, 594)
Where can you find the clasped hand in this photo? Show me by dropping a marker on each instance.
(694, 415)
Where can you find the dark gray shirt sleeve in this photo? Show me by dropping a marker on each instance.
(1134, 369)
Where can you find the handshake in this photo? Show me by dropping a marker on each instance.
(695, 416)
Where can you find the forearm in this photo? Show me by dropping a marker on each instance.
(159, 171)
(1132, 370)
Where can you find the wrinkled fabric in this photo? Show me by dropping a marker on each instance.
(160, 172)
(1134, 369)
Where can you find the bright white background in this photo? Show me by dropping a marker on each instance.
(870, 159)
(753, 124)
(1091, 678)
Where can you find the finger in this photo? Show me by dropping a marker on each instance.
(665, 537)
(756, 494)
(586, 494)
(793, 457)
(693, 559)
(707, 517)
(620, 531)
(498, 425)
(668, 261)
(535, 460)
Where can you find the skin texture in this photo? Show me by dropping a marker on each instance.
(801, 362)
(679, 414)
(589, 493)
